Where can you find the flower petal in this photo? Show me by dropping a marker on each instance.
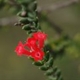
(37, 55)
(20, 50)
(31, 43)
(39, 35)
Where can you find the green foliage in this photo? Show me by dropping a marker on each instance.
(28, 15)
(29, 22)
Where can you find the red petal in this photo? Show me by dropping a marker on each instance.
(39, 35)
(41, 43)
(20, 50)
(31, 43)
(37, 55)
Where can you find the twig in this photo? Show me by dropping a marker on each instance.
(53, 7)
(58, 5)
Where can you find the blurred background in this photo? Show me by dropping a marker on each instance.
(59, 20)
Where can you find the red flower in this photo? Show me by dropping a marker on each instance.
(37, 55)
(31, 43)
(33, 46)
(41, 37)
(20, 50)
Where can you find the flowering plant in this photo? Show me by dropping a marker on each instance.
(35, 47)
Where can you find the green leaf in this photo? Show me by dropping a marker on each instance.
(47, 55)
(47, 65)
(49, 72)
(19, 14)
(35, 5)
(50, 62)
(44, 68)
(58, 73)
(55, 69)
(24, 20)
(39, 63)
(26, 27)
(31, 15)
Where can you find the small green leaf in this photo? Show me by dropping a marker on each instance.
(34, 6)
(55, 69)
(29, 32)
(49, 72)
(47, 55)
(19, 14)
(47, 65)
(50, 62)
(24, 20)
(44, 68)
(39, 63)
(30, 19)
(58, 73)
(26, 27)
(31, 15)
(60, 78)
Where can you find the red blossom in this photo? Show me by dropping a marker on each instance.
(34, 46)
(37, 55)
(20, 50)
(41, 37)
(31, 43)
